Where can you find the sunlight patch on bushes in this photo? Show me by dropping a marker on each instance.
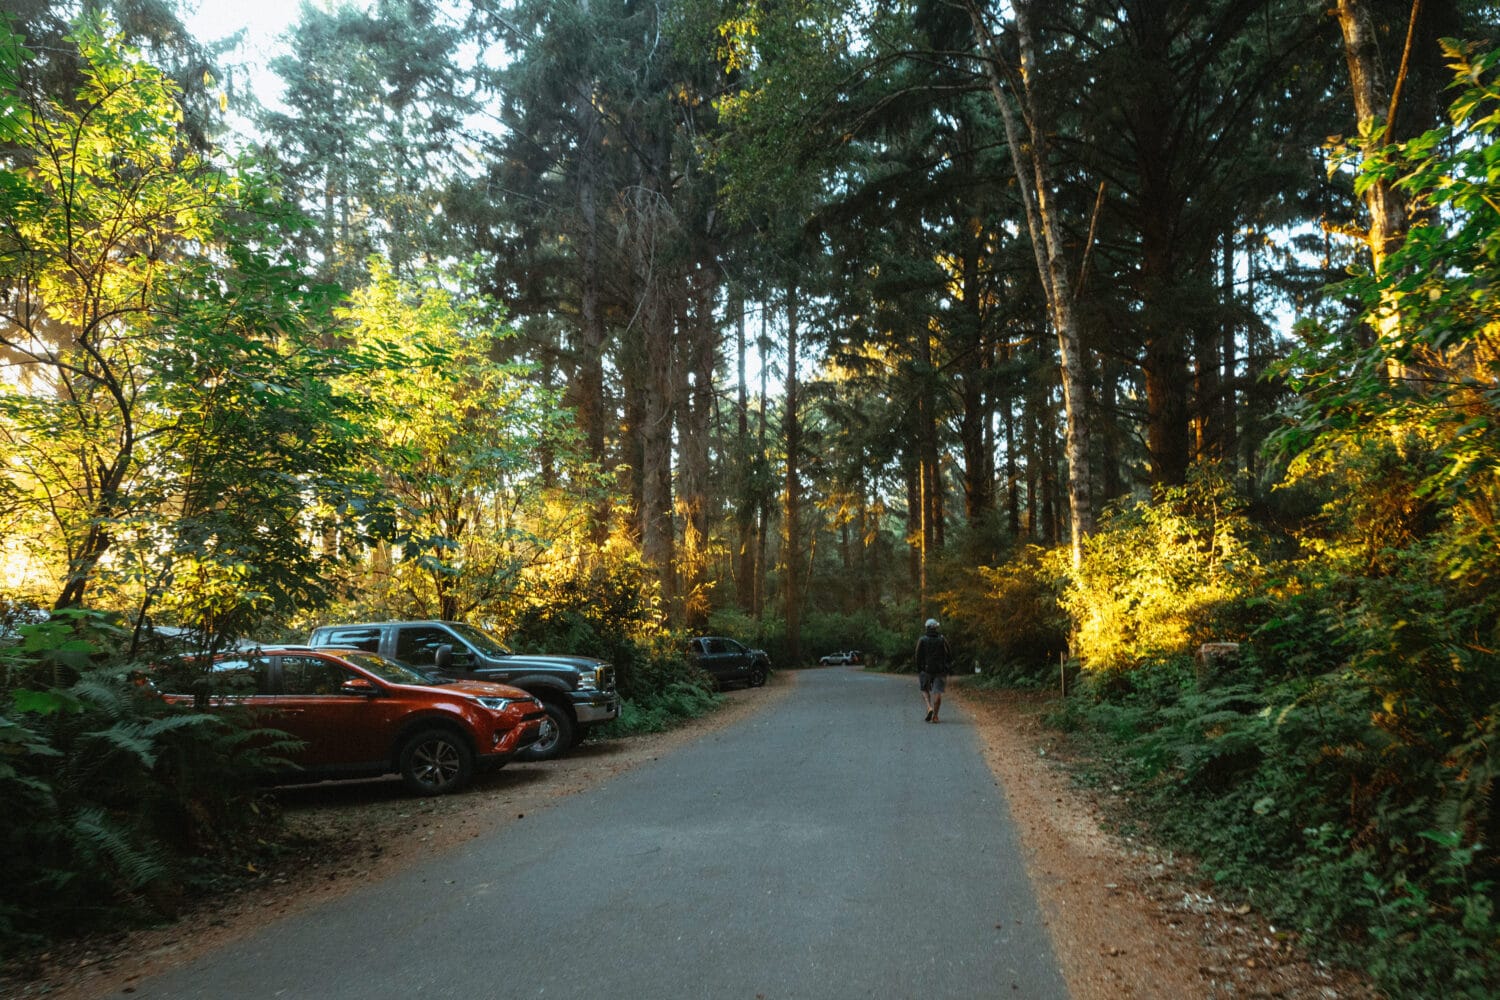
(1156, 576)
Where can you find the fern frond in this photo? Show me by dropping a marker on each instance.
(129, 738)
(136, 866)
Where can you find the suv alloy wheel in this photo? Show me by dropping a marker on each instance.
(435, 761)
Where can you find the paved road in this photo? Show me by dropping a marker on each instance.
(834, 846)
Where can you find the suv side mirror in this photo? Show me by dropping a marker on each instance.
(442, 657)
(360, 686)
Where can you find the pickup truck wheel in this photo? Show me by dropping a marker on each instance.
(757, 675)
(436, 761)
(555, 742)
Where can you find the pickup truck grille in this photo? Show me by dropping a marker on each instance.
(604, 676)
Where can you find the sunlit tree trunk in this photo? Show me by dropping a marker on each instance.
(929, 476)
(1030, 159)
(1374, 105)
(916, 562)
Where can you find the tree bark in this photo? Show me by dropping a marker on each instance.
(793, 433)
(587, 387)
(700, 340)
(979, 462)
(1031, 162)
(745, 514)
(658, 382)
(1384, 206)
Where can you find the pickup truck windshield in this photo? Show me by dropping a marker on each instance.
(479, 640)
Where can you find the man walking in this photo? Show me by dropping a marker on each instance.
(934, 663)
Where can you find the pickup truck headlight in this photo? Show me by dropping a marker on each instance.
(498, 704)
(587, 681)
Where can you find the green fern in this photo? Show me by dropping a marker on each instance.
(133, 864)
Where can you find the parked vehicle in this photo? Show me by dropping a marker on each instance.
(577, 692)
(728, 661)
(360, 714)
(844, 658)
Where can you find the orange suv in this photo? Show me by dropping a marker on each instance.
(360, 714)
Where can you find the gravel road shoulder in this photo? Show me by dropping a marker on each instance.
(1126, 920)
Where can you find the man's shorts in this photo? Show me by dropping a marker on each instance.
(933, 683)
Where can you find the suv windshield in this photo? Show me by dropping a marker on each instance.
(388, 670)
(479, 640)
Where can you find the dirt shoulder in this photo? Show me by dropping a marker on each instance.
(1126, 921)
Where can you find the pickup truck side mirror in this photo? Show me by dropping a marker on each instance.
(442, 657)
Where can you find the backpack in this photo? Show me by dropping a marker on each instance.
(935, 654)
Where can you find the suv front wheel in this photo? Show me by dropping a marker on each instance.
(557, 735)
(436, 761)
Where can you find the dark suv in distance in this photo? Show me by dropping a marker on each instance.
(577, 692)
(359, 714)
(729, 661)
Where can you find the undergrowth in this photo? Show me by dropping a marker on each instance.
(659, 711)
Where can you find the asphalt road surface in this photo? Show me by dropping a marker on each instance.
(835, 846)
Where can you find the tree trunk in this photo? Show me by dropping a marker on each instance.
(745, 515)
(586, 390)
(1012, 476)
(929, 475)
(1383, 203)
(765, 509)
(1166, 376)
(1030, 161)
(974, 422)
(700, 341)
(1109, 403)
(658, 377)
(1229, 444)
(793, 433)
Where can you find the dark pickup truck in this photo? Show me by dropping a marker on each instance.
(729, 661)
(578, 692)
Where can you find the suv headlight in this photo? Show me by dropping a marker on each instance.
(497, 704)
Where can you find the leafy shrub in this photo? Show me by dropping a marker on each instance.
(660, 710)
(1007, 618)
(116, 801)
(1441, 919)
(610, 611)
(607, 610)
(1159, 578)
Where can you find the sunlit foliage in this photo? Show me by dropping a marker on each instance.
(456, 433)
(1155, 576)
(166, 405)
